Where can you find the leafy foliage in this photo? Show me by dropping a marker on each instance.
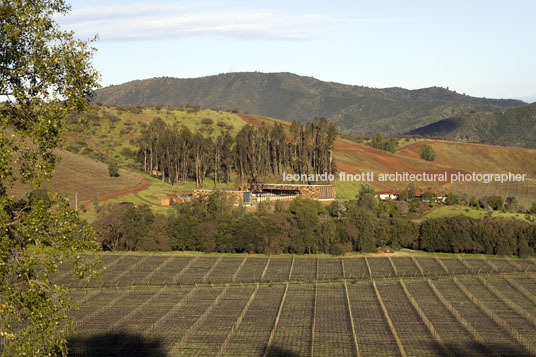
(214, 224)
(378, 141)
(44, 73)
(113, 169)
(427, 153)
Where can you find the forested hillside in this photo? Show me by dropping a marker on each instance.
(355, 109)
(511, 127)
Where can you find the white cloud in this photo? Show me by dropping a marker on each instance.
(160, 21)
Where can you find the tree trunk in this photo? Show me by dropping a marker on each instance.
(145, 160)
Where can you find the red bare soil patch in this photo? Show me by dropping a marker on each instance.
(250, 119)
(355, 158)
(411, 150)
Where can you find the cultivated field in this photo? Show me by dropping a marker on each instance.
(215, 305)
(477, 157)
(79, 175)
(525, 192)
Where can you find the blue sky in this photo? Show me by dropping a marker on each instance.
(481, 48)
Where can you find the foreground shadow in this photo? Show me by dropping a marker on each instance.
(124, 344)
(276, 351)
(117, 344)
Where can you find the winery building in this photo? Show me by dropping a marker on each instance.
(252, 194)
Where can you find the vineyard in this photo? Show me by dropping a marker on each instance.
(175, 305)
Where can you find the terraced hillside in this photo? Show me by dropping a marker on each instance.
(215, 305)
(484, 159)
(81, 178)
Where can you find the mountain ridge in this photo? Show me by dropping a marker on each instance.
(355, 109)
(509, 127)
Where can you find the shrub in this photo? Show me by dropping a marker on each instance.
(207, 121)
(427, 153)
(454, 199)
(113, 169)
(111, 117)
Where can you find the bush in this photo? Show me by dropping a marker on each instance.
(453, 199)
(207, 121)
(427, 153)
(113, 169)
(378, 141)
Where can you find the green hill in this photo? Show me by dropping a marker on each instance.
(355, 109)
(111, 134)
(510, 127)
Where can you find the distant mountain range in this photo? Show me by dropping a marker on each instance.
(355, 109)
(511, 127)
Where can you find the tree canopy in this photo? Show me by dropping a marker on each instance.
(179, 155)
(45, 72)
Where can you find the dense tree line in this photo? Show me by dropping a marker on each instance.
(214, 224)
(462, 234)
(177, 155)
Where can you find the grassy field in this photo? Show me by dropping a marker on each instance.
(450, 211)
(241, 305)
(152, 195)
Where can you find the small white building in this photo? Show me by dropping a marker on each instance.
(442, 197)
(384, 195)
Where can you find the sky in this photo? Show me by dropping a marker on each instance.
(481, 48)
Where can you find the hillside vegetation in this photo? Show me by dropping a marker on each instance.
(512, 127)
(81, 178)
(355, 109)
(113, 134)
